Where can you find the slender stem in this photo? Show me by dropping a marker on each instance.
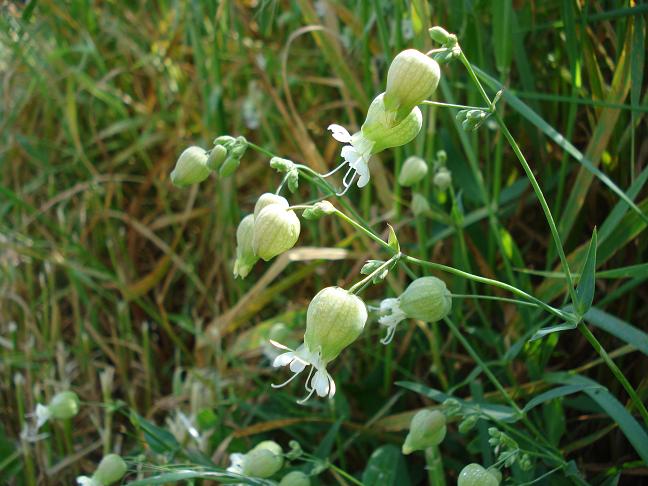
(260, 149)
(582, 327)
(364, 230)
(494, 297)
(452, 105)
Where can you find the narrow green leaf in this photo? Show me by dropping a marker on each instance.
(621, 329)
(634, 432)
(502, 35)
(560, 391)
(567, 326)
(585, 290)
(392, 241)
(386, 467)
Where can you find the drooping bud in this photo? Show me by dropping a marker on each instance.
(191, 167)
(216, 157)
(412, 78)
(420, 205)
(427, 429)
(385, 130)
(276, 229)
(414, 170)
(245, 256)
(475, 475)
(335, 318)
(440, 35)
(110, 470)
(467, 424)
(442, 179)
(266, 200)
(295, 478)
(426, 299)
(264, 460)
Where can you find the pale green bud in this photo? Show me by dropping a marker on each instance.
(245, 256)
(475, 475)
(426, 299)
(335, 318)
(467, 424)
(412, 78)
(318, 210)
(420, 205)
(295, 478)
(442, 179)
(385, 131)
(229, 166)
(191, 167)
(110, 470)
(414, 170)
(276, 229)
(427, 429)
(266, 200)
(442, 36)
(216, 157)
(64, 405)
(265, 460)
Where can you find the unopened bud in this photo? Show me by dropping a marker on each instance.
(412, 78)
(276, 230)
(467, 424)
(441, 36)
(191, 167)
(295, 478)
(426, 299)
(420, 205)
(264, 460)
(442, 179)
(245, 256)
(414, 170)
(110, 470)
(216, 157)
(64, 405)
(266, 200)
(475, 475)
(427, 429)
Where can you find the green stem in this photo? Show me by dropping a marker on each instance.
(615, 370)
(452, 105)
(359, 286)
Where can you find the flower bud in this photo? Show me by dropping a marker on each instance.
(427, 429)
(110, 470)
(335, 318)
(64, 405)
(414, 170)
(191, 167)
(412, 78)
(426, 299)
(264, 460)
(216, 157)
(475, 475)
(441, 36)
(276, 230)
(295, 478)
(384, 131)
(229, 166)
(266, 200)
(467, 424)
(245, 256)
(442, 179)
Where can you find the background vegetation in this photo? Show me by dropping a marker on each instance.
(119, 286)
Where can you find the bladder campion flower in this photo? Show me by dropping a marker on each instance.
(110, 470)
(414, 170)
(245, 256)
(378, 132)
(335, 318)
(63, 406)
(427, 429)
(267, 199)
(475, 475)
(412, 77)
(191, 167)
(426, 299)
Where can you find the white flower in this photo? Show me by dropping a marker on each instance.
(392, 315)
(43, 414)
(86, 481)
(356, 155)
(298, 360)
(236, 463)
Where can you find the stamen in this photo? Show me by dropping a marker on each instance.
(310, 373)
(285, 382)
(304, 400)
(390, 335)
(351, 171)
(328, 174)
(346, 187)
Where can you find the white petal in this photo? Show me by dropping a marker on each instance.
(350, 154)
(42, 415)
(297, 366)
(340, 133)
(331, 386)
(362, 168)
(279, 345)
(283, 359)
(320, 383)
